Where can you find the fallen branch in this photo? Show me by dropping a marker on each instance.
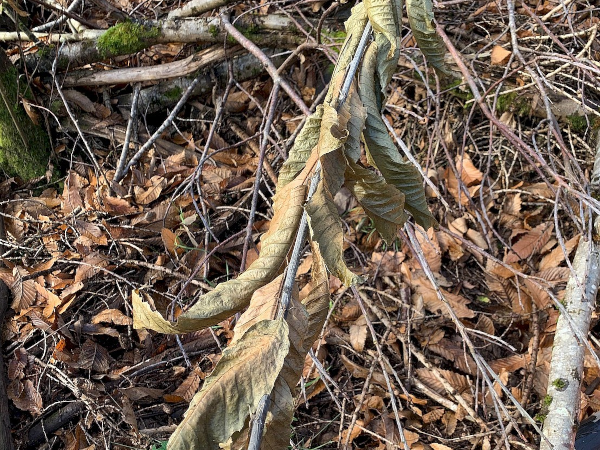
(566, 367)
(160, 96)
(80, 49)
(198, 61)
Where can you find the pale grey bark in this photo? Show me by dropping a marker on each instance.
(566, 369)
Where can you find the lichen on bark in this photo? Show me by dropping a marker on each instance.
(24, 146)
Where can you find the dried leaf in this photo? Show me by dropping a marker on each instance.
(24, 292)
(152, 192)
(499, 55)
(557, 256)
(94, 357)
(25, 396)
(187, 389)
(245, 372)
(358, 334)
(229, 297)
(114, 316)
(530, 243)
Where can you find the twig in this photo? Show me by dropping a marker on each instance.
(271, 69)
(292, 268)
(136, 158)
(130, 125)
(258, 178)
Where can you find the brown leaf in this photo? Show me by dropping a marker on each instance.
(529, 243)
(358, 334)
(431, 247)
(24, 292)
(114, 316)
(117, 206)
(94, 357)
(187, 389)
(71, 195)
(90, 266)
(153, 190)
(25, 396)
(499, 55)
(431, 301)
(557, 256)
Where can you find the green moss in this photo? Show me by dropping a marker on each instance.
(27, 159)
(547, 401)
(560, 383)
(126, 38)
(174, 93)
(578, 123)
(514, 103)
(213, 30)
(540, 418)
(250, 31)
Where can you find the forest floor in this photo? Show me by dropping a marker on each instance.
(77, 245)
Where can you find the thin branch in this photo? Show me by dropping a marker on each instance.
(271, 69)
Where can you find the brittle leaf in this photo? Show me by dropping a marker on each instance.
(232, 296)
(245, 372)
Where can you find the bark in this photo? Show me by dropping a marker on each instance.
(566, 369)
(165, 94)
(24, 146)
(6, 441)
(181, 68)
(82, 48)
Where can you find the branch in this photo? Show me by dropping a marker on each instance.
(566, 373)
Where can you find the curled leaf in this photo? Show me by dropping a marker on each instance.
(232, 296)
(381, 151)
(420, 18)
(245, 372)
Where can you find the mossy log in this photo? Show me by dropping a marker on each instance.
(24, 146)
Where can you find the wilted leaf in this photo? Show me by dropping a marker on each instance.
(382, 202)
(381, 151)
(245, 372)
(304, 144)
(229, 297)
(420, 18)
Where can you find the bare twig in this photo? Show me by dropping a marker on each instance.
(271, 69)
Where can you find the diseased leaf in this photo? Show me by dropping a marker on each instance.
(304, 144)
(381, 151)
(245, 372)
(382, 202)
(420, 18)
(232, 296)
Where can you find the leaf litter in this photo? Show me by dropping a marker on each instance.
(82, 253)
